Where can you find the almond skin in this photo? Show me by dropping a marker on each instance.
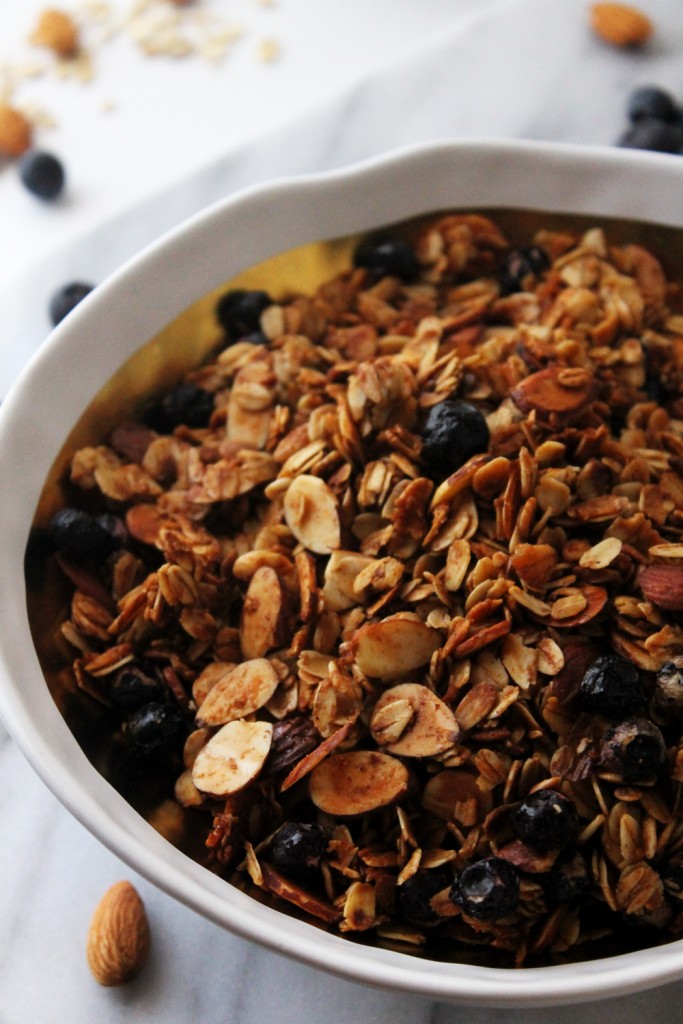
(663, 585)
(620, 24)
(118, 938)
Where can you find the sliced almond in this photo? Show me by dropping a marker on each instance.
(185, 791)
(394, 647)
(357, 782)
(546, 394)
(452, 788)
(312, 515)
(208, 678)
(595, 600)
(430, 728)
(193, 744)
(232, 758)
(266, 614)
(241, 691)
(341, 571)
(245, 566)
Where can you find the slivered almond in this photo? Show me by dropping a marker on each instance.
(274, 882)
(357, 782)
(232, 758)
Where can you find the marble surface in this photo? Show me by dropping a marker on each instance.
(514, 68)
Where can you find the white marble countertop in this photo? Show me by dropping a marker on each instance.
(352, 80)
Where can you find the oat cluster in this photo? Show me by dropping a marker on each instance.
(396, 661)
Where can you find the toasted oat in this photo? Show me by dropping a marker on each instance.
(395, 654)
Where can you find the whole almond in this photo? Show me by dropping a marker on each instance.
(57, 31)
(620, 24)
(119, 937)
(663, 585)
(16, 131)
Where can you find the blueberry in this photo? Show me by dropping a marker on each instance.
(546, 820)
(634, 750)
(156, 729)
(239, 311)
(416, 893)
(132, 687)
(297, 847)
(667, 699)
(566, 881)
(651, 102)
(187, 404)
(67, 298)
(387, 257)
(487, 890)
(612, 687)
(80, 536)
(42, 174)
(519, 265)
(452, 432)
(656, 136)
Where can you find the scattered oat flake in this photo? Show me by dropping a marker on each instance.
(268, 51)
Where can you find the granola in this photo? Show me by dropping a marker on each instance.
(426, 682)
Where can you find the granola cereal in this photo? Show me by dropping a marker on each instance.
(388, 595)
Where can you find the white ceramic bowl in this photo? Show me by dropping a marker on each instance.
(130, 308)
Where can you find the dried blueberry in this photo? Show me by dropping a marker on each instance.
(652, 102)
(452, 433)
(667, 699)
(656, 136)
(293, 738)
(519, 265)
(387, 257)
(156, 729)
(298, 847)
(239, 311)
(634, 750)
(132, 687)
(566, 881)
(417, 892)
(187, 404)
(487, 890)
(42, 174)
(546, 820)
(80, 536)
(67, 298)
(612, 687)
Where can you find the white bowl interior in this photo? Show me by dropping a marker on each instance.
(149, 292)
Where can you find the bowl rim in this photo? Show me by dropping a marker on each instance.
(598, 181)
